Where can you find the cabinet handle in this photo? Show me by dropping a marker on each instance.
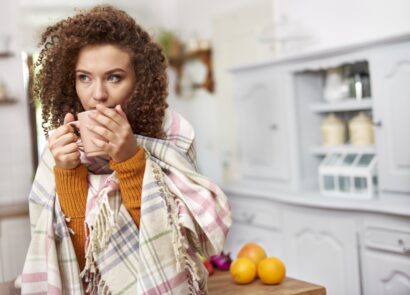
(247, 218)
(377, 123)
(405, 249)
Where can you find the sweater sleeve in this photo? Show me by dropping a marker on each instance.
(130, 174)
(72, 188)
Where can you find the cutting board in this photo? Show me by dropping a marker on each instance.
(220, 283)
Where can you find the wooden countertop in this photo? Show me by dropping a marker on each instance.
(13, 210)
(220, 283)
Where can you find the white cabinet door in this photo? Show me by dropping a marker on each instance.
(257, 221)
(14, 241)
(322, 248)
(261, 124)
(390, 74)
(1, 264)
(241, 234)
(386, 256)
(386, 274)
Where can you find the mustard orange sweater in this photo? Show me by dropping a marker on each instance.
(72, 188)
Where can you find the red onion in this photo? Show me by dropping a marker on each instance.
(222, 261)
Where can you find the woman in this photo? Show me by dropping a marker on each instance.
(132, 221)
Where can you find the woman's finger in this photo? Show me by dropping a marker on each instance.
(110, 113)
(105, 121)
(120, 111)
(63, 140)
(71, 157)
(60, 131)
(69, 148)
(105, 133)
(68, 118)
(102, 145)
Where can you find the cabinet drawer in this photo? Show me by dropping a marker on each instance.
(388, 239)
(257, 213)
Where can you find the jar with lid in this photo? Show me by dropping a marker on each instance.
(361, 130)
(333, 130)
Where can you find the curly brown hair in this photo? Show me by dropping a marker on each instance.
(54, 85)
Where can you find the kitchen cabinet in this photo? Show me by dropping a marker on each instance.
(1, 268)
(280, 106)
(260, 224)
(357, 248)
(262, 125)
(315, 239)
(386, 256)
(390, 77)
(14, 240)
(348, 245)
(386, 274)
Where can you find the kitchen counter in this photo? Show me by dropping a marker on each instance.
(220, 283)
(391, 206)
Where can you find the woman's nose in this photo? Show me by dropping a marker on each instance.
(99, 92)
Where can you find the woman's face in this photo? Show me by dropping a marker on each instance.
(104, 74)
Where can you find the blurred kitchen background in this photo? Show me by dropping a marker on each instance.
(301, 112)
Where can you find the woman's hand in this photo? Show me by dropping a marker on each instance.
(119, 142)
(62, 144)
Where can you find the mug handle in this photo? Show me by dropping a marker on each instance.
(76, 124)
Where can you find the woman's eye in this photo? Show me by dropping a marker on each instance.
(83, 78)
(114, 78)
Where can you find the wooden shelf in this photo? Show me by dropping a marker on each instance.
(13, 210)
(323, 150)
(8, 101)
(350, 104)
(6, 54)
(205, 55)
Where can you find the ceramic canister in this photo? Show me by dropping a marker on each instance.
(333, 131)
(361, 130)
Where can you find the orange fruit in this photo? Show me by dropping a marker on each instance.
(271, 271)
(243, 271)
(252, 251)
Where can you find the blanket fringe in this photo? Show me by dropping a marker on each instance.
(180, 245)
(99, 236)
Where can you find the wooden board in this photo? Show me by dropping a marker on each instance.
(220, 283)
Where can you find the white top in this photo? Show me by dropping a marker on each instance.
(392, 206)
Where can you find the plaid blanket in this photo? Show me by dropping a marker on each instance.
(183, 214)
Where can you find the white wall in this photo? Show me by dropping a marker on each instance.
(336, 22)
(15, 147)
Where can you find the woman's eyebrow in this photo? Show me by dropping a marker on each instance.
(107, 72)
(115, 70)
(82, 71)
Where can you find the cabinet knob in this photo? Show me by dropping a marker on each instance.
(273, 126)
